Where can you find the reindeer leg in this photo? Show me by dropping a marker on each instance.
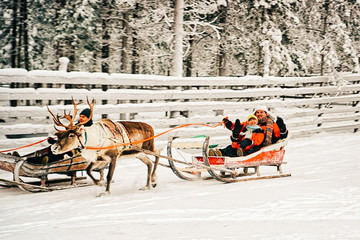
(153, 175)
(148, 163)
(110, 156)
(89, 173)
(101, 171)
(109, 177)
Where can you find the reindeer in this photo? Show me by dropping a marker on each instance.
(106, 133)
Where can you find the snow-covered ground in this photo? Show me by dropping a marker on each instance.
(321, 200)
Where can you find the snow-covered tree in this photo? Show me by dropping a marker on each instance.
(331, 30)
(205, 37)
(220, 37)
(5, 32)
(14, 42)
(266, 29)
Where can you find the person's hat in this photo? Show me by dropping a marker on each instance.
(86, 112)
(252, 117)
(265, 109)
(262, 108)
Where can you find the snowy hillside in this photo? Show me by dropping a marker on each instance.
(321, 200)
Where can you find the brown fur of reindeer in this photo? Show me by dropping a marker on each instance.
(106, 133)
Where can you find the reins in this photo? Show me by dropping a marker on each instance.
(124, 144)
(29, 145)
(147, 139)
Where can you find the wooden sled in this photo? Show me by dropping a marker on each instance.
(230, 169)
(33, 166)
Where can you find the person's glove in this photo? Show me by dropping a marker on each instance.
(51, 140)
(235, 145)
(227, 122)
(76, 151)
(281, 124)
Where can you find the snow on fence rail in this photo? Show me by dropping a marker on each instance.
(308, 104)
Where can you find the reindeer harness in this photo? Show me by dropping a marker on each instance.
(115, 128)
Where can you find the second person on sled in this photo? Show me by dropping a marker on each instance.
(246, 138)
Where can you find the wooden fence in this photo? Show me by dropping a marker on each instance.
(308, 104)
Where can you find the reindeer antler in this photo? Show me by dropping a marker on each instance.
(70, 118)
(75, 109)
(57, 121)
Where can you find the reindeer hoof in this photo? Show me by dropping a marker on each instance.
(154, 184)
(103, 194)
(144, 188)
(99, 183)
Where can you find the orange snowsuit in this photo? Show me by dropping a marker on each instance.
(257, 137)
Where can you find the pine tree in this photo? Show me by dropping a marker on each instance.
(261, 37)
(5, 32)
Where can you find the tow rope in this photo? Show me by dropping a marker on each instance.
(124, 144)
(29, 145)
(147, 139)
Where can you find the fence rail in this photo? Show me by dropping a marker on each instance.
(308, 104)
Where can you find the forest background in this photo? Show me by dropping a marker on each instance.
(219, 37)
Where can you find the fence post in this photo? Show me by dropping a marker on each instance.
(63, 64)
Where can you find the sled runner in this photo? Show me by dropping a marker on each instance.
(230, 169)
(39, 165)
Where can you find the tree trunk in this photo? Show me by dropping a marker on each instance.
(260, 71)
(124, 43)
(61, 45)
(325, 16)
(222, 44)
(14, 50)
(24, 18)
(178, 37)
(105, 50)
(189, 59)
(222, 60)
(135, 55)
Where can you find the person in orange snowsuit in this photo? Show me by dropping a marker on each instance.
(246, 138)
(274, 127)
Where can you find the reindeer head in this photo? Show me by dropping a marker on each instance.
(71, 137)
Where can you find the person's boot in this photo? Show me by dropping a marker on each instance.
(218, 152)
(212, 152)
(239, 152)
(45, 160)
(237, 129)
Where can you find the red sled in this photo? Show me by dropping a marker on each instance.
(233, 169)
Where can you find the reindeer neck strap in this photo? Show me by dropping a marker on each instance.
(118, 130)
(124, 133)
(82, 145)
